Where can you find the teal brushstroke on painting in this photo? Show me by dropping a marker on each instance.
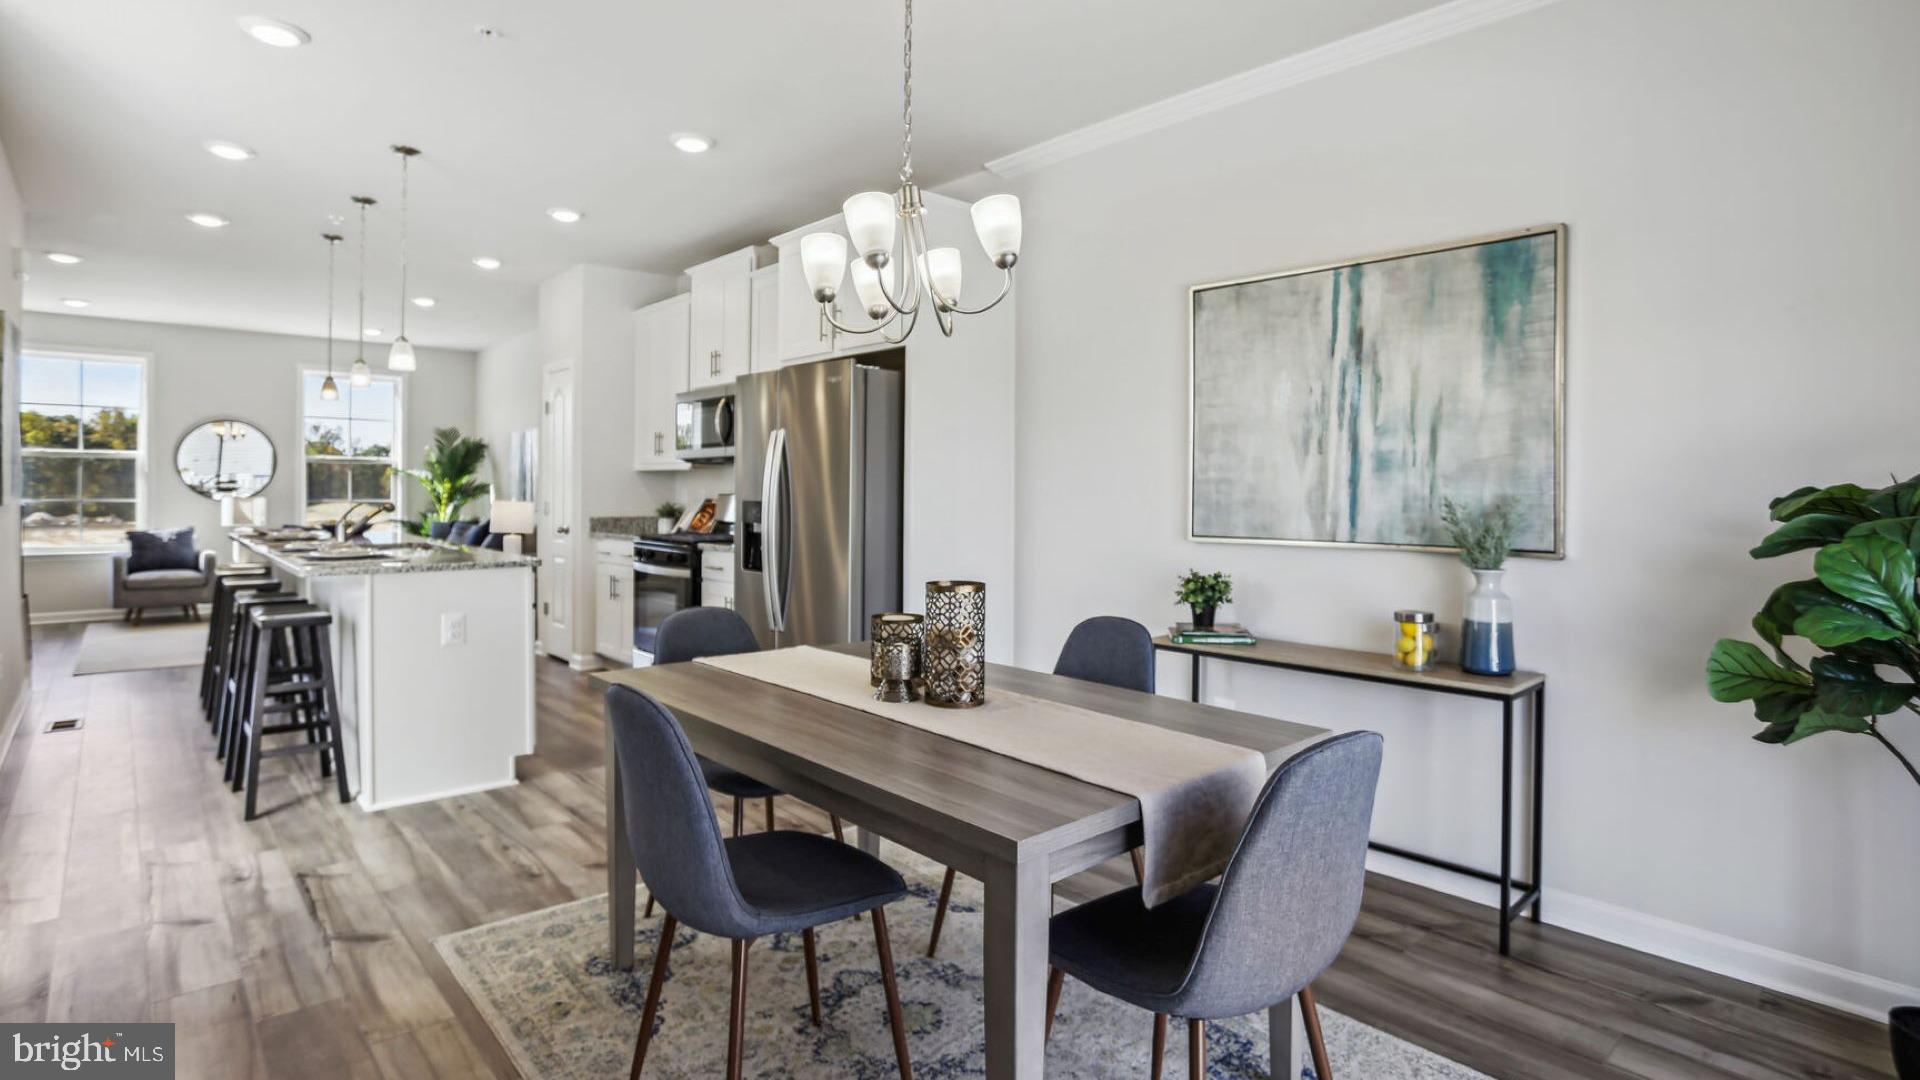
(1506, 288)
(1356, 347)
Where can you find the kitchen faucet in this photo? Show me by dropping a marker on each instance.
(340, 532)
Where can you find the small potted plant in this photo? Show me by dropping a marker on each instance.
(668, 513)
(1204, 593)
(1485, 539)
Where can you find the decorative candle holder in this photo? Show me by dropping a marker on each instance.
(953, 657)
(896, 626)
(896, 679)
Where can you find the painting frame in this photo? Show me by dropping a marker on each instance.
(1559, 232)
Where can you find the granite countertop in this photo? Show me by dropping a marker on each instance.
(439, 557)
(622, 528)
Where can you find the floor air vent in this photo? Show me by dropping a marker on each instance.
(72, 723)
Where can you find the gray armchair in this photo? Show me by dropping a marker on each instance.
(182, 589)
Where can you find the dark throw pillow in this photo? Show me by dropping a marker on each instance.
(438, 530)
(161, 549)
(463, 532)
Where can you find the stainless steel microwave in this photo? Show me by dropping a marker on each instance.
(703, 426)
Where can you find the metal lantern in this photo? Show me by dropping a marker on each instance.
(890, 627)
(896, 683)
(953, 658)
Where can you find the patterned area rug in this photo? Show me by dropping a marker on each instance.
(114, 646)
(543, 984)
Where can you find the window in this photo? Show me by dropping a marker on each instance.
(348, 444)
(81, 448)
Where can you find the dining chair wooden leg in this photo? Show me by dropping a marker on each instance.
(739, 815)
(1310, 1014)
(940, 912)
(1196, 1050)
(649, 913)
(1159, 1043)
(1139, 867)
(769, 813)
(652, 1009)
(737, 1023)
(1055, 980)
(895, 1018)
(839, 833)
(813, 974)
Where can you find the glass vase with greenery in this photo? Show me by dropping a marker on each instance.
(1485, 539)
(1859, 614)
(450, 474)
(1203, 593)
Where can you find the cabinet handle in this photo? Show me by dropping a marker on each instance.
(613, 588)
(562, 530)
(656, 443)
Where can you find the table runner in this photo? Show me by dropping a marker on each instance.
(1195, 793)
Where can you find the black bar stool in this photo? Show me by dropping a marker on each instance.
(226, 580)
(287, 667)
(233, 676)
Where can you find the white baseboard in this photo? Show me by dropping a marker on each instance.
(11, 726)
(590, 662)
(1799, 976)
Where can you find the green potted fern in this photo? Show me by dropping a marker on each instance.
(450, 475)
(1203, 594)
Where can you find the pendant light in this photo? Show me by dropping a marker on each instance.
(889, 234)
(330, 390)
(400, 357)
(362, 375)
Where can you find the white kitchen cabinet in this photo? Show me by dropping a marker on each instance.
(613, 599)
(722, 327)
(661, 336)
(765, 353)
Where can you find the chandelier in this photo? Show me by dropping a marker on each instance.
(895, 273)
(400, 357)
(330, 390)
(361, 374)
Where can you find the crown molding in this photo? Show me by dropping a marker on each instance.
(1411, 32)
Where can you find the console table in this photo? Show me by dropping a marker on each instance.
(1516, 895)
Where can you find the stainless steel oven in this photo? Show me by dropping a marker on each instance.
(666, 579)
(703, 426)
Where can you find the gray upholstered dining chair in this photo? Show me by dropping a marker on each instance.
(1275, 920)
(690, 634)
(1104, 649)
(742, 887)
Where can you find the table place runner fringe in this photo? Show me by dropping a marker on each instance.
(1195, 793)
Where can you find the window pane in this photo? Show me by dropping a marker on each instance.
(42, 520)
(110, 383)
(315, 405)
(53, 426)
(326, 438)
(370, 482)
(374, 401)
(49, 378)
(117, 514)
(326, 481)
(108, 478)
(50, 477)
(371, 438)
(111, 429)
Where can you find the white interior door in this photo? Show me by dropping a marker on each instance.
(557, 549)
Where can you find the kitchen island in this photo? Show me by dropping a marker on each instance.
(433, 653)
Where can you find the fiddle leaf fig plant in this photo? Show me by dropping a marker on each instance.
(1859, 612)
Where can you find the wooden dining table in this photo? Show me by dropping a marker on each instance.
(1015, 827)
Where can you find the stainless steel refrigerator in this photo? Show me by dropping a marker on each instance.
(817, 472)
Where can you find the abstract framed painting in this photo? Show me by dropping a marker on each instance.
(1341, 404)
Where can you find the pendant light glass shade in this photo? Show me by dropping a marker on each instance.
(360, 374)
(823, 256)
(400, 357)
(866, 282)
(996, 221)
(329, 390)
(871, 216)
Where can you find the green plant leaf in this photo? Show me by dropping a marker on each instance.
(1818, 721)
(1897, 500)
(1900, 530)
(1776, 733)
(1873, 570)
(1808, 531)
(1782, 708)
(1845, 500)
(1850, 688)
(1829, 627)
(1739, 671)
(1893, 654)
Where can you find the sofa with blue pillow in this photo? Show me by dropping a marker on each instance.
(467, 534)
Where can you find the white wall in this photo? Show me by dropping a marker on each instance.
(1740, 182)
(507, 391)
(13, 642)
(200, 373)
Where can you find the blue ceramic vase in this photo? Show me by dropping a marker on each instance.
(1486, 637)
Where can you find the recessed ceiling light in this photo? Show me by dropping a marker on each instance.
(74, 301)
(280, 35)
(371, 331)
(564, 216)
(227, 151)
(63, 258)
(208, 221)
(690, 142)
(486, 262)
(423, 301)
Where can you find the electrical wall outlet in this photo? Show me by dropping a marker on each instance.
(453, 628)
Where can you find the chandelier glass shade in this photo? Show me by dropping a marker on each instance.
(894, 272)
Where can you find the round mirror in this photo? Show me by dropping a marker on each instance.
(225, 459)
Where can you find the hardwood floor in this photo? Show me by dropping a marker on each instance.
(300, 944)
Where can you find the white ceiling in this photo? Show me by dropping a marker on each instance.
(104, 106)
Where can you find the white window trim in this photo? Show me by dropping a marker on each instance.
(398, 460)
(142, 456)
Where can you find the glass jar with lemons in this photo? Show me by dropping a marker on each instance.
(1413, 640)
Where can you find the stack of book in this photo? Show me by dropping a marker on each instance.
(1218, 634)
